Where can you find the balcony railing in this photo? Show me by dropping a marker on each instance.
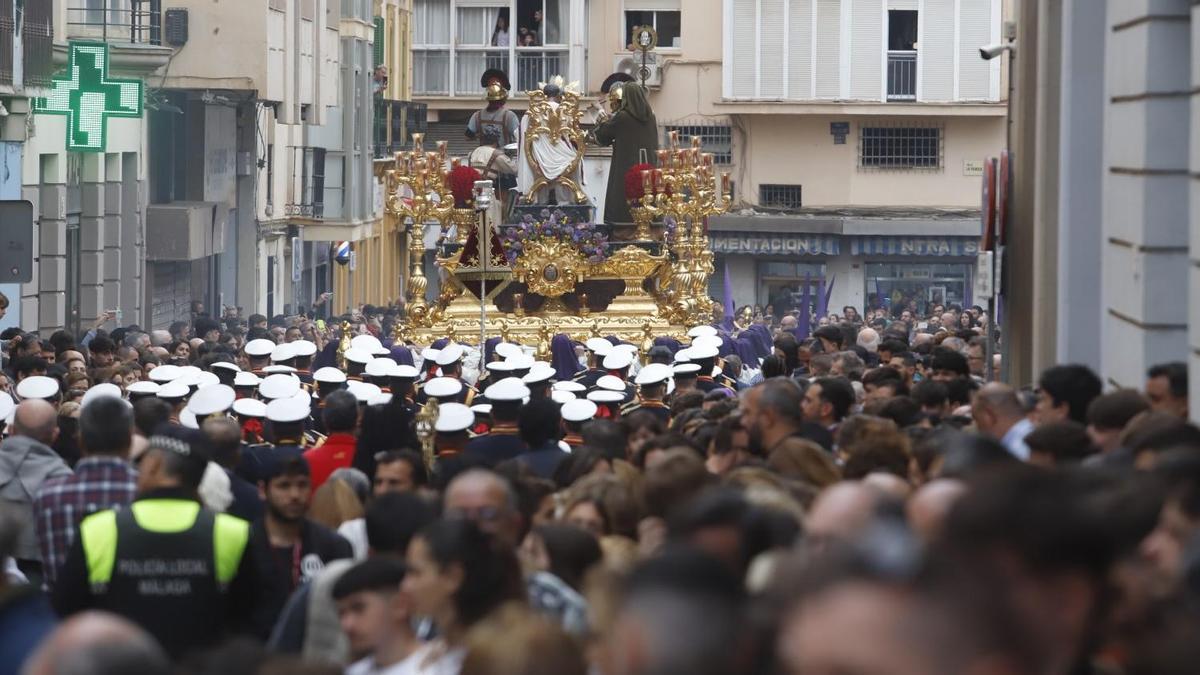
(432, 72)
(395, 122)
(132, 21)
(902, 76)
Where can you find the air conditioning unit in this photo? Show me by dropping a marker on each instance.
(631, 64)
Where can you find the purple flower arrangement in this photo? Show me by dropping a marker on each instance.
(592, 243)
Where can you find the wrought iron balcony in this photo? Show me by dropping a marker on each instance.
(131, 21)
(902, 75)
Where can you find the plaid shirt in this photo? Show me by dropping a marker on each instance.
(99, 483)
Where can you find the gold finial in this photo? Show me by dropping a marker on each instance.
(343, 345)
(647, 340)
(584, 310)
(504, 335)
(543, 347)
(518, 306)
(425, 420)
(595, 328)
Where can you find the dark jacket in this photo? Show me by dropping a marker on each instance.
(543, 461)
(500, 445)
(282, 571)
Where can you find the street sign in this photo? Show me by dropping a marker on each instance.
(297, 259)
(984, 276)
(353, 261)
(16, 242)
(88, 97)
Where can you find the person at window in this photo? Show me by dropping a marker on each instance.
(536, 28)
(500, 33)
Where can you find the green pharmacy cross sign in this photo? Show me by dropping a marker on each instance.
(88, 97)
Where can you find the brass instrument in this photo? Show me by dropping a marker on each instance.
(343, 345)
(425, 419)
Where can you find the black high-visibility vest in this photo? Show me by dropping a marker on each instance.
(166, 565)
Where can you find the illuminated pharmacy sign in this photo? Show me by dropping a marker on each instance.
(88, 97)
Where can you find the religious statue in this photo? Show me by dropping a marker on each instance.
(494, 120)
(552, 145)
(633, 134)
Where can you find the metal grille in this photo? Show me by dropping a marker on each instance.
(714, 138)
(135, 21)
(902, 75)
(37, 39)
(901, 146)
(780, 196)
(6, 41)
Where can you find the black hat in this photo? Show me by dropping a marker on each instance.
(614, 79)
(495, 75)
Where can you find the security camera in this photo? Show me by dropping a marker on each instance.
(989, 52)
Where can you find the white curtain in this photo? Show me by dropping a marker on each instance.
(431, 22)
(475, 25)
(557, 22)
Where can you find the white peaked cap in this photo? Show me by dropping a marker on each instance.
(453, 418)
(700, 331)
(250, 407)
(508, 389)
(329, 375)
(102, 390)
(579, 410)
(450, 354)
(164, 373)
(259, 347)
(618, 359)
(611, 383)
(366, 342)
(653, 374)
(303, 348)
(508, 350)
(541, 372)
(279, 386)
(381, 367)
(441, 387)
(599, 346)
(358, 355)
(142, 388)
(245, 379)
(287, 410)
(210, 400)
(283, 352)
(560, 397)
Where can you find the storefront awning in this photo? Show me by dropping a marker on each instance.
(915, 246)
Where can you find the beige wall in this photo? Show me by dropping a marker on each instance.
(795, 149)
(233, 30)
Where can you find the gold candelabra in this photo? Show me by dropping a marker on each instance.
(423, 175)
(686, 187)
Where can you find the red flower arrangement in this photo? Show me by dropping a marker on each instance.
(462, 184)
(634, 189)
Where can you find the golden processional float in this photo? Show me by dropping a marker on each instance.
(555, 270)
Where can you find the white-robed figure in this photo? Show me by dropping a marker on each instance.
(550, 156)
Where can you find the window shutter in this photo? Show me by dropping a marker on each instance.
(866, 44)
(936, 51)
(800, 50)
(744, 39)
(380, 34)
(829, 46)
(975, 28)
(773, 49)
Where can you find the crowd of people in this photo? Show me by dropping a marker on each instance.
(268, 494)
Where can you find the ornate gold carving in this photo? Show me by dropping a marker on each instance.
(463, 220)
(550, 267)
(560, 124)
(425, 420)
(643, 218)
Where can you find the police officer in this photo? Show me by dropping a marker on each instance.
(166, 563)
(652, 389)
(503, 441)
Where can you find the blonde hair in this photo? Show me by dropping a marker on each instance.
(334, 503)
(514, 641)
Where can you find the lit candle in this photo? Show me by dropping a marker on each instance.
(647, 185)
(695, 142)
(441, 146)
(674, 138)
(418, 139)
(725, 183)
(708, 159)
(658, 181)
(454, 163)
(664, 157)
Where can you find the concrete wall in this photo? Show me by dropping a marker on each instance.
(791, 149)
(1146, 188)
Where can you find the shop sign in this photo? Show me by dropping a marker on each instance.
(915, 246)
(775, 244)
